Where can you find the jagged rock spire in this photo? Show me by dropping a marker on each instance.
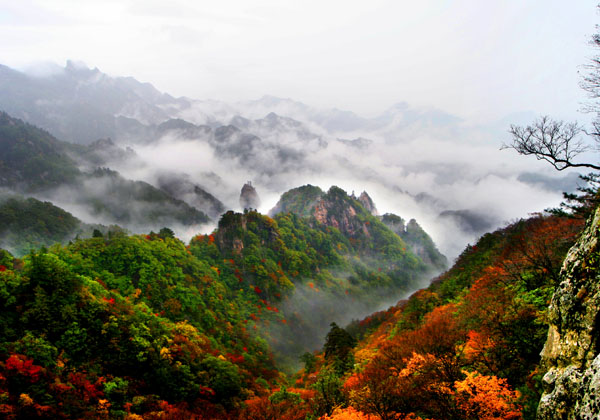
(368, 204)
(249, 197)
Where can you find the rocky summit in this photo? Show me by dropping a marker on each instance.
(571, 353)
(249, 197)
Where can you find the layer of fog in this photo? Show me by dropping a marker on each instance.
(415, 162)
(415, 166)
(102, 200)
(316, 311)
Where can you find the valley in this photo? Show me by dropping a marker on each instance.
(171, 258)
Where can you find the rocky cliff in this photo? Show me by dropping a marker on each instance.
(249, 197)
(368, 204)
(571, 353)
(337, 209)
(334, 208)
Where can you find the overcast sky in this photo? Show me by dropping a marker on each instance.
(476, 59)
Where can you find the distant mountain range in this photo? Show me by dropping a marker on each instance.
(203, 312)
(34, 163)
(81, 105)
(202, 151)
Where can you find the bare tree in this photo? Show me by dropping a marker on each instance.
(556, 142)
(590, 81)
(560, 143)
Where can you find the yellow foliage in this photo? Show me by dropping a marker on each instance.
(103, 404)
(25, 399)
(416, 363)
(185, 329)
(165, 353)
(364, 355)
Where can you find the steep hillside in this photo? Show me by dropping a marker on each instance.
(29, 224)
(418, 240)
(107, 327)
(136, 204)
(356, 217)
(333, 271)
(32, 161)
(120, 325)
(572, 351)
(182, 188)
(465, 347)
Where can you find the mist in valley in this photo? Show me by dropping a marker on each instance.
(418, 127)
(453, 179)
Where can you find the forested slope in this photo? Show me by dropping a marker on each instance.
(146, 325)
(466, 347)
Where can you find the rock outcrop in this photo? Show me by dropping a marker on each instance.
(571, 353)
(249, 197)
(334, 208)
(340, 211)
(367, 203)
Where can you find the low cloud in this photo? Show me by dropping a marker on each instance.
(419, 172)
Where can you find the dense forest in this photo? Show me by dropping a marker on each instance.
(319, 309)
(98, 322)
(145, 326)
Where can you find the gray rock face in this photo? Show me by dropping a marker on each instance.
(571, 353)
(368, 204)
(249, 197)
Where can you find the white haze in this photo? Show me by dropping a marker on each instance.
(419, 171)
(477, 59)
(460, 66)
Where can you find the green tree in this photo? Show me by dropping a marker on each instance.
(338, 348)
(329, 392)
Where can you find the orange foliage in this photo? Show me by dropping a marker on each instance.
(486, 398)
(414, 362)
(352, 382)
(416, 369)
(477, 349)
(348, 413)
(542, 244)
(262, 408)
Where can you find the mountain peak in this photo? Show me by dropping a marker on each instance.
(80, 68)
(368, 204)
(249, 197)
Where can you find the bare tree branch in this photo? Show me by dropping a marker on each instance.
(555, 142)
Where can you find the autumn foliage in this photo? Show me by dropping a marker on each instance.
(145, 327)
(468, 346)
(348, 413)
(486, 398)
